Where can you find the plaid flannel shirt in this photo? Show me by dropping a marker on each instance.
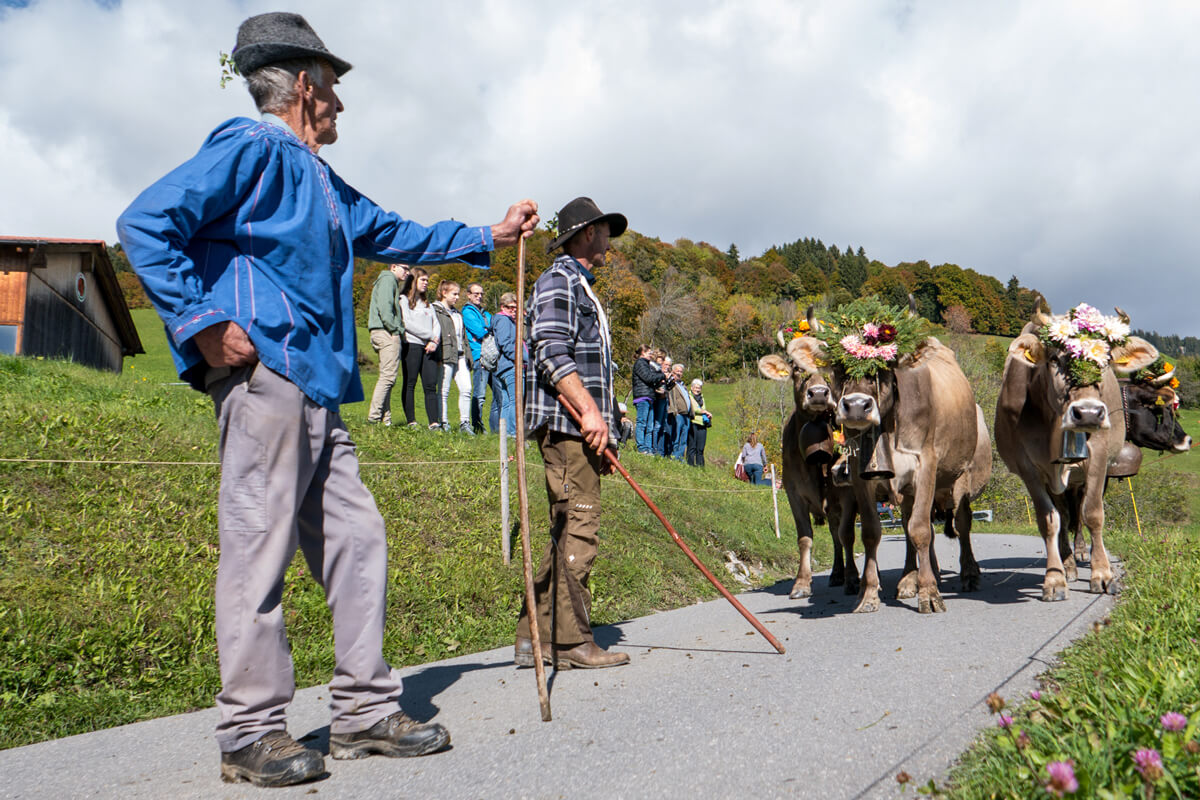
(565, 337)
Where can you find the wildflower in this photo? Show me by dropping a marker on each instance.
(1035, 695)
(1149, 764)
(1173, 721)
(1005, 721)
(1062, 778)
(1022, 740)
(995, 702)
(903, 777)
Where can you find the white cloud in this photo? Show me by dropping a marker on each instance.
(1052, 140)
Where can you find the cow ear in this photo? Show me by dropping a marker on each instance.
(1135, 354)
(1027, 350)
(774, 366)
(808, 353)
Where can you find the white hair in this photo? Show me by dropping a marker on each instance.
(273, 87)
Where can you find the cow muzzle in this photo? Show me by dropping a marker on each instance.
(1184, 446)
(858, 411)
(817, 399)
(1086, 415)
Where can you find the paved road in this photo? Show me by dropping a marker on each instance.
(706, 709)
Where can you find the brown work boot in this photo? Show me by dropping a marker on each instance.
(398, 736)
(588, 655)
(274, 760)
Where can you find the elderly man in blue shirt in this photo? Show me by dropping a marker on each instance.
(246, 251)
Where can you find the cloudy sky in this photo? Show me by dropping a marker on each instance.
(1057, 141)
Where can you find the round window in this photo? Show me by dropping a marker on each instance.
(80, 286)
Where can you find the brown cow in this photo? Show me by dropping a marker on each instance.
(1042, 415)
(806, 475)
(921, 416)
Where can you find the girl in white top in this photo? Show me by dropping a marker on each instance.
(456, 357)
(420, 353)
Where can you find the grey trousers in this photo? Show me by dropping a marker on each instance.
(289, 478)
(387, 345)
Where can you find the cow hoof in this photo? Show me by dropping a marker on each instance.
(1081, 556)
(1099, 586)
(799, 592)
(907, 587)
(970, 583)
(1051, 594)
(931, 605)
(1070, 571)
(867, 606)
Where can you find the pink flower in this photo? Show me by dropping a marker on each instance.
(1088, 318)
(870, 333)
(1035, 695)
(1173, 721)
(1062, 778)
(1149, 764)
(1005, 721)
(888, 352)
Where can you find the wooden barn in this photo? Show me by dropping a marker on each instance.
(59, 298)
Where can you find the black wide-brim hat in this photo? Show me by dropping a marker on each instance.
(278, 36)
(578, 214)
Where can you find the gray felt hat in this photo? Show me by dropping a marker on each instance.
(278, 36)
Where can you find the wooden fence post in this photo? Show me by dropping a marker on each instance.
(775, 500)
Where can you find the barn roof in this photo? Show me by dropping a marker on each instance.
(106, 279)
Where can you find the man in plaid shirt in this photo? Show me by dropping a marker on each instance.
(571, 357)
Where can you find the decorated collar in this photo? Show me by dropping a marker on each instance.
(1087, 338)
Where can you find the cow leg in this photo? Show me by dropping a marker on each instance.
(1054, 587)
(1070, 524)
(968, 567)
(837, 574)
(1093, 517)
(802, 586)
(1081, 553)
(872, 532)
(920, 531)
(845, 535)
(908, 581)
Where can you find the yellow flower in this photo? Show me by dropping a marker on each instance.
(1167, 367)
(1174, 384)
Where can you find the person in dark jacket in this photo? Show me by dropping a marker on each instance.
(646, 379)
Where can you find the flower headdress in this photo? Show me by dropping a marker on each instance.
(1160, 372)
(1087, 337)
(866, 336)
(795, 329)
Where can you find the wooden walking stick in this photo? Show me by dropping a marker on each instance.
(539, 668)
(611, 455)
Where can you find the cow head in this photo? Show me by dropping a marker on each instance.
(857, 404)
(1061, 385)
(810, 390)
(1150, 419)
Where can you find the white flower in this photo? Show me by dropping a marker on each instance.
(1096, 351)
(1061, 329)
(1114, 330)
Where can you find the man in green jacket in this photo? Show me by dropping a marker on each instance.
(387, 328)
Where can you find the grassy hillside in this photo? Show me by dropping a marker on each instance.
(106, 571)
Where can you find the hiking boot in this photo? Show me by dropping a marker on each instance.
(398, 736)
(274, 760)
(523, 652)
(588, 655)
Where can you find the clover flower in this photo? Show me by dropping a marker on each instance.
(1062, 778)
(1173, 721)
(1005, 721)
(1148, 763)
(1035, 695)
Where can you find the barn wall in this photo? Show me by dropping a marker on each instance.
(59, 325)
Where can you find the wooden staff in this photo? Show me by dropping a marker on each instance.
(539, 668)
(611, 455)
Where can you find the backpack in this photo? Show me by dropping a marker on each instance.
(489, 351)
